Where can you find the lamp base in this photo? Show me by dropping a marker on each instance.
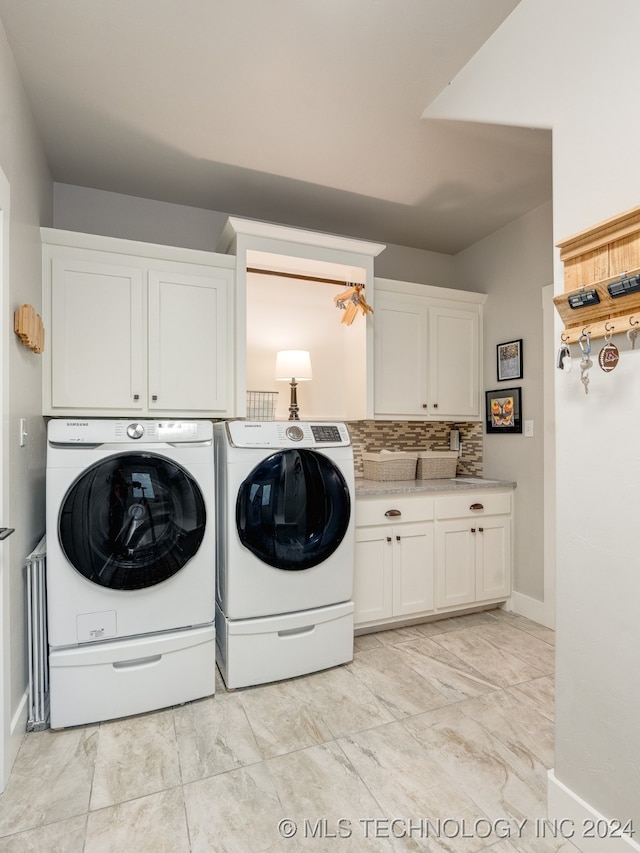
(293, 404)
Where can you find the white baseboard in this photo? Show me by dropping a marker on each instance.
(532, 609)
(580, 822)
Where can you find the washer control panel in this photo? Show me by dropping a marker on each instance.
(281, 434)
(98, 431)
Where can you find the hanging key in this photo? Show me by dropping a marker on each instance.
(632, 334)
(585, 361)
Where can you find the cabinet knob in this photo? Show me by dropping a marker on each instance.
(397, 538)
(435, 405)
(393, 513)
(388, 539)
(136, 396)
(154, 397)
(473, 530)
(476, 507)
(481, 530)
(424, 405)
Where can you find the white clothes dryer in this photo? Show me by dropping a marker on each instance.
(285, 548)
(130, 519)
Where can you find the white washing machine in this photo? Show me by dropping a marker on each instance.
(130, 518)
(285, 549)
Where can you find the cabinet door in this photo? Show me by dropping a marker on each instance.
(455, 563)
(187, 342)
(97, 336)
(412, 568)
(454, 362)
(493, 551)
(372, 578)
(400, 355)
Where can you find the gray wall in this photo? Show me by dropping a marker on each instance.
(23, 164)
(116, 215)
(512, 266)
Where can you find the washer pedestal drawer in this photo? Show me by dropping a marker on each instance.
(103, 681)
(270, 648)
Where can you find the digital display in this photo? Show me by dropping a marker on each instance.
(325, 432)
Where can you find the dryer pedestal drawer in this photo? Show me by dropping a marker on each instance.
(258, 651)
(101, 681)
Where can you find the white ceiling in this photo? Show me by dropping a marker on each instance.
(300, 112)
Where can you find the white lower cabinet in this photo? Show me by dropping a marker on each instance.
(417, 556)
(393, 575)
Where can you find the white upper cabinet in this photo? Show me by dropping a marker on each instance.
(427, 352)
(188, 351)
(134, 328)
(454, 361)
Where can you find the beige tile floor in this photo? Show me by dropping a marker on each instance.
(436, 737)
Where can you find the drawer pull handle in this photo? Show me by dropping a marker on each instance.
(476, 507)
(393, 513)
(135, 662)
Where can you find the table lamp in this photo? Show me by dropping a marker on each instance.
(293, 366)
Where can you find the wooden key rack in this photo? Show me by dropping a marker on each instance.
(601, 279)
(28, 326)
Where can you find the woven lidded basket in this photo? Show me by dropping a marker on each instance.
(389, 465)
(436, 464)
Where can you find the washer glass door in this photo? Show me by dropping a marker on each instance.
(131, 521)
(293, 509)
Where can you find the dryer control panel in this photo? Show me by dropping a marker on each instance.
(287, 434)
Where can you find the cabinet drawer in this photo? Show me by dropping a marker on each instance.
(375, 510)
(460, 506)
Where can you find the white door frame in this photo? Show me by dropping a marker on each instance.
(7, 752)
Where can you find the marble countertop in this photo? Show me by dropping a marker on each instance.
(417, 487)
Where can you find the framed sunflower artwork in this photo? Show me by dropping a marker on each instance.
(504, 410)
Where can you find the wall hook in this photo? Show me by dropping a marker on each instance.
(631, 323)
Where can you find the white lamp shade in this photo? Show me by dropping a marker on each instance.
(293, 364)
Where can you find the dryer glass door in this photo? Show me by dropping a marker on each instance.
(293, 510)
(132, 521)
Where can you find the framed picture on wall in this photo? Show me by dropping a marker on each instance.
(509, 358)
(504, 410)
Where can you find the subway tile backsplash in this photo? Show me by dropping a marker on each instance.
(417, 435)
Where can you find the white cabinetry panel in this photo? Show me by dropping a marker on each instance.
(187, 342)
(96, 335)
